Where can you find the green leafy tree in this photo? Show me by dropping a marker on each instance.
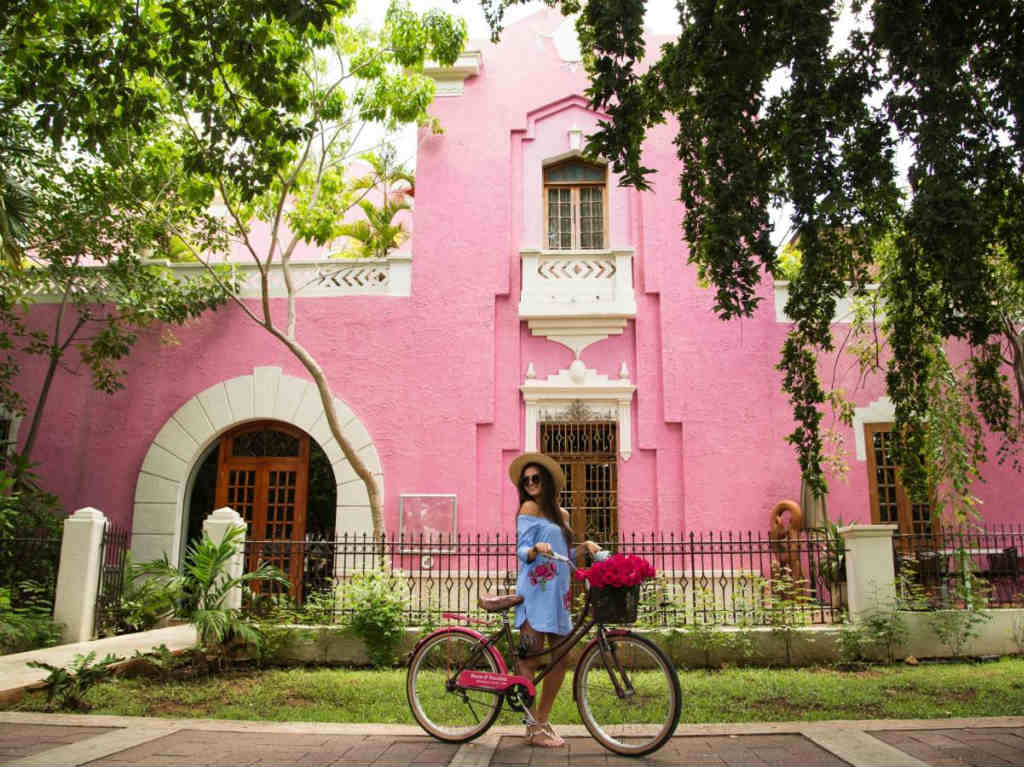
(256, 106)
(377, 234)
(945, 79)
(81, 248)
(90, 73)
(351, 77)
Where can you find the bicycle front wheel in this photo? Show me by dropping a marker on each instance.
(443, 710)
(628, 694)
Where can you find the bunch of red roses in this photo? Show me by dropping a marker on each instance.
(618, 570)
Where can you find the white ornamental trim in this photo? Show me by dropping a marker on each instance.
(843, 314)
(879, 411)
(318, 278)
(267, 394)
(450, 80)
(577, 298)
(579, 387)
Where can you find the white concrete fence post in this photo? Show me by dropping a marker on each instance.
(217, 526)
(78, 574)
(870, 569)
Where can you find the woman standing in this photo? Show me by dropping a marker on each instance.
(542, 527)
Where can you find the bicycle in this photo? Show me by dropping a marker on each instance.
(626, 690)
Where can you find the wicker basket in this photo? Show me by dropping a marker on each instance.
(615, 604)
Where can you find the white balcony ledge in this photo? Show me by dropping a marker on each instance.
(319, 278)
(577, 297)
(450, 81)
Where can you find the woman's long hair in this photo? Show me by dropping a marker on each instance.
(547, 501)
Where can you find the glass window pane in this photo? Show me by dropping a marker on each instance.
(591, 217)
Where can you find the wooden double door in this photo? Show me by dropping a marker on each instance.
(263, 474)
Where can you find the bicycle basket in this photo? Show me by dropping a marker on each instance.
(615, 604)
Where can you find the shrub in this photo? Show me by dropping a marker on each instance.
(853, 642)
(29, 626)
(959, 623)
(702, 630)
(30, 532)
(144, 601)
(377, 602)
(788, 612)
(201, 589)
(67, 686)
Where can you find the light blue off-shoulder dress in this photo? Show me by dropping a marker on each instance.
(543, 582)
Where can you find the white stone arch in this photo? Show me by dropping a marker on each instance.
(160, 493)
(879, 411)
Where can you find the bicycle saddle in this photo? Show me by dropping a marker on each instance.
(495, 604)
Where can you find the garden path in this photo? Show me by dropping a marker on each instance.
(70, 739)
(16, 674)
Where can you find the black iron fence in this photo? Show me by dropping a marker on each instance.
(723, 578)
(113, 556)
(942, 563)
(28, 570)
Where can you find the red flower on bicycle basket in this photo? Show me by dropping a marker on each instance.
(541, 574)
(618, 570)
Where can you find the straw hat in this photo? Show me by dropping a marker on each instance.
(515, 469)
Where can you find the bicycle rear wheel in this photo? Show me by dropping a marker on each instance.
(444, 711)
(628, 695)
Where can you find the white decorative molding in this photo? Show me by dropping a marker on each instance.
(319, 278)
(879, 411)
(450, 80)
(575, 138)
(577, 297)
(844, 306)
(579, 393)
(160, 492)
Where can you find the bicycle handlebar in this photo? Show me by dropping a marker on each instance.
(599, 556)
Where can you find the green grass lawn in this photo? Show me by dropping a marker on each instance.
(733, 695)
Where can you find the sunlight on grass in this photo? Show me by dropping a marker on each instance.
(734, 695)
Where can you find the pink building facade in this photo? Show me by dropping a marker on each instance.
(539, 305)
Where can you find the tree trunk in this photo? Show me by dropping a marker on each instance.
(37, 413)
(327, 400)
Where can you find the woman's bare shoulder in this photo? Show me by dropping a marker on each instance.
(530, 509)
(565, 516)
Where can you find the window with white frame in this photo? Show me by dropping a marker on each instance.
(574, 194)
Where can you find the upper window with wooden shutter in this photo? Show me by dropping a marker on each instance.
(574, 205)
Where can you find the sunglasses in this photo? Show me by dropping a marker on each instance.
(531, 479)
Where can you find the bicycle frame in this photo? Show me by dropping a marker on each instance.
(506, 682)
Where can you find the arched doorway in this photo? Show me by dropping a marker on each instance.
(263, 474)
(259, 470)
(175, 470)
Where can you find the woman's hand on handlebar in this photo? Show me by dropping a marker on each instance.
(543, 548)
(587, 547)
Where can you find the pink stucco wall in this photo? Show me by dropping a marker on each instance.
(435, 376)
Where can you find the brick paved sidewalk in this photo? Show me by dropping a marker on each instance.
(54, 739)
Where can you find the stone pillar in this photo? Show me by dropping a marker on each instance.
(870, 570)
(78, 574)
(217, 526)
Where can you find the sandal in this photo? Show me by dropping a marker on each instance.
(542, 734)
